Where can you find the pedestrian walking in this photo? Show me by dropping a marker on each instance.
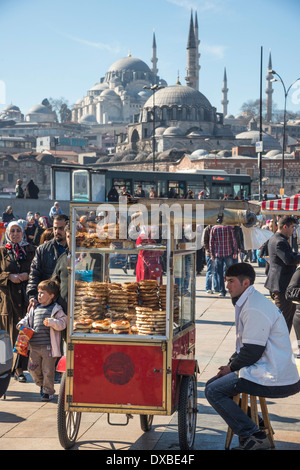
(211, 280)
(47, 319)
(223, 249)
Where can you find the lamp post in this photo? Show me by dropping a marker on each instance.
(286, 92)
(153, 88)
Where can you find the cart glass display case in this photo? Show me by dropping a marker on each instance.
(121, 286)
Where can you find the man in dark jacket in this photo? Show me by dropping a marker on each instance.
(282, 265)
(46, 256)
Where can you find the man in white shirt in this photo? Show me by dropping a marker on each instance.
(263, 363)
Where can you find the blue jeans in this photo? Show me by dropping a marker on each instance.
(219, 394)
(221, 264)
(211, 278)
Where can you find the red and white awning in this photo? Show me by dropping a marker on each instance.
(288, 204)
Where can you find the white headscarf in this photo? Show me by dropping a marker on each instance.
(7, 239)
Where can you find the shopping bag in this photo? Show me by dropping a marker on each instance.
(255, 237)
(22, 343)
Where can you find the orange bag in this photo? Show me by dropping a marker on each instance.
(23, 339)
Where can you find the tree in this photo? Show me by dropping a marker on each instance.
(61, 107)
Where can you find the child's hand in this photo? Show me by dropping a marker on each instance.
(46, 322)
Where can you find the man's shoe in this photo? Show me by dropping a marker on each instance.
(209, 291)
(222, 295)
(47, 397)
(259, 441)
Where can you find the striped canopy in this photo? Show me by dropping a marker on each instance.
(288, 204)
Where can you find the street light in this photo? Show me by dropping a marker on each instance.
(153, 88)
(286, 92)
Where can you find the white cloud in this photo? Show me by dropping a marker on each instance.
(215, 51)
(114, 49)
(199, 5)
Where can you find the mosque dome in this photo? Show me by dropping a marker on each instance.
(271, 153)
(40, 109)
(99, 87)
(269, 142)
(89, 120)
(199, 153)
(109, 94)
(178, 95)
(173, 130)
(129, 64)
(11, 107)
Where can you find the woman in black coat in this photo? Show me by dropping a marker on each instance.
(15, 261)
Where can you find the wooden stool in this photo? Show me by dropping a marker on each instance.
(254, 416)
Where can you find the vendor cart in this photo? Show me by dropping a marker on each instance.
(130, 345)
(131, 340)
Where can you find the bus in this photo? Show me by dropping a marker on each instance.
(74, 183)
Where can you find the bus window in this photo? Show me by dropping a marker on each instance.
(219, 190)
(120, 183)
(146, 186)
(178, 188)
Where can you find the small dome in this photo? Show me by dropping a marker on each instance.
(173, 131)
(271, 154)
(198, 153)
(11, 107)
(269, 142)
(88, 119)
(110, 94)
(99, 86)
(40, 108)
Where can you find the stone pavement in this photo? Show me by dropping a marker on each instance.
(26, 423)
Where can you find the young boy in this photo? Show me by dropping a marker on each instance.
(47, 319)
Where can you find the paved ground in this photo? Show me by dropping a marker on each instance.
(29, 424)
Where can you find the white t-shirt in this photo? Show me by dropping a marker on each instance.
(259, 321)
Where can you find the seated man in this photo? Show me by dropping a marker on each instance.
(263, 362)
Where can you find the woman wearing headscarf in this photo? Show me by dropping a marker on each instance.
(15, 261)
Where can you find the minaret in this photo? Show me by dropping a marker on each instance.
(191, 76)
(197, 41)
(154, 59)
(224, 91)
(269, 91)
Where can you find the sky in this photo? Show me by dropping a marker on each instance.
(61, 48)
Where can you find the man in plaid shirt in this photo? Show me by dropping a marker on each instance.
(224, 250)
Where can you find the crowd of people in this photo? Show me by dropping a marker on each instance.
(34, 294)
(29, 283)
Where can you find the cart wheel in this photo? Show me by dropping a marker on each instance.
(187, 412)
(68, 422)
(146, 422)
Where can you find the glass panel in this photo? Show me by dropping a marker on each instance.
(120, 285)
(62, 186)
(80, 185)
(98, 187)
(145, 186)
(184, 285)
(177, 189)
